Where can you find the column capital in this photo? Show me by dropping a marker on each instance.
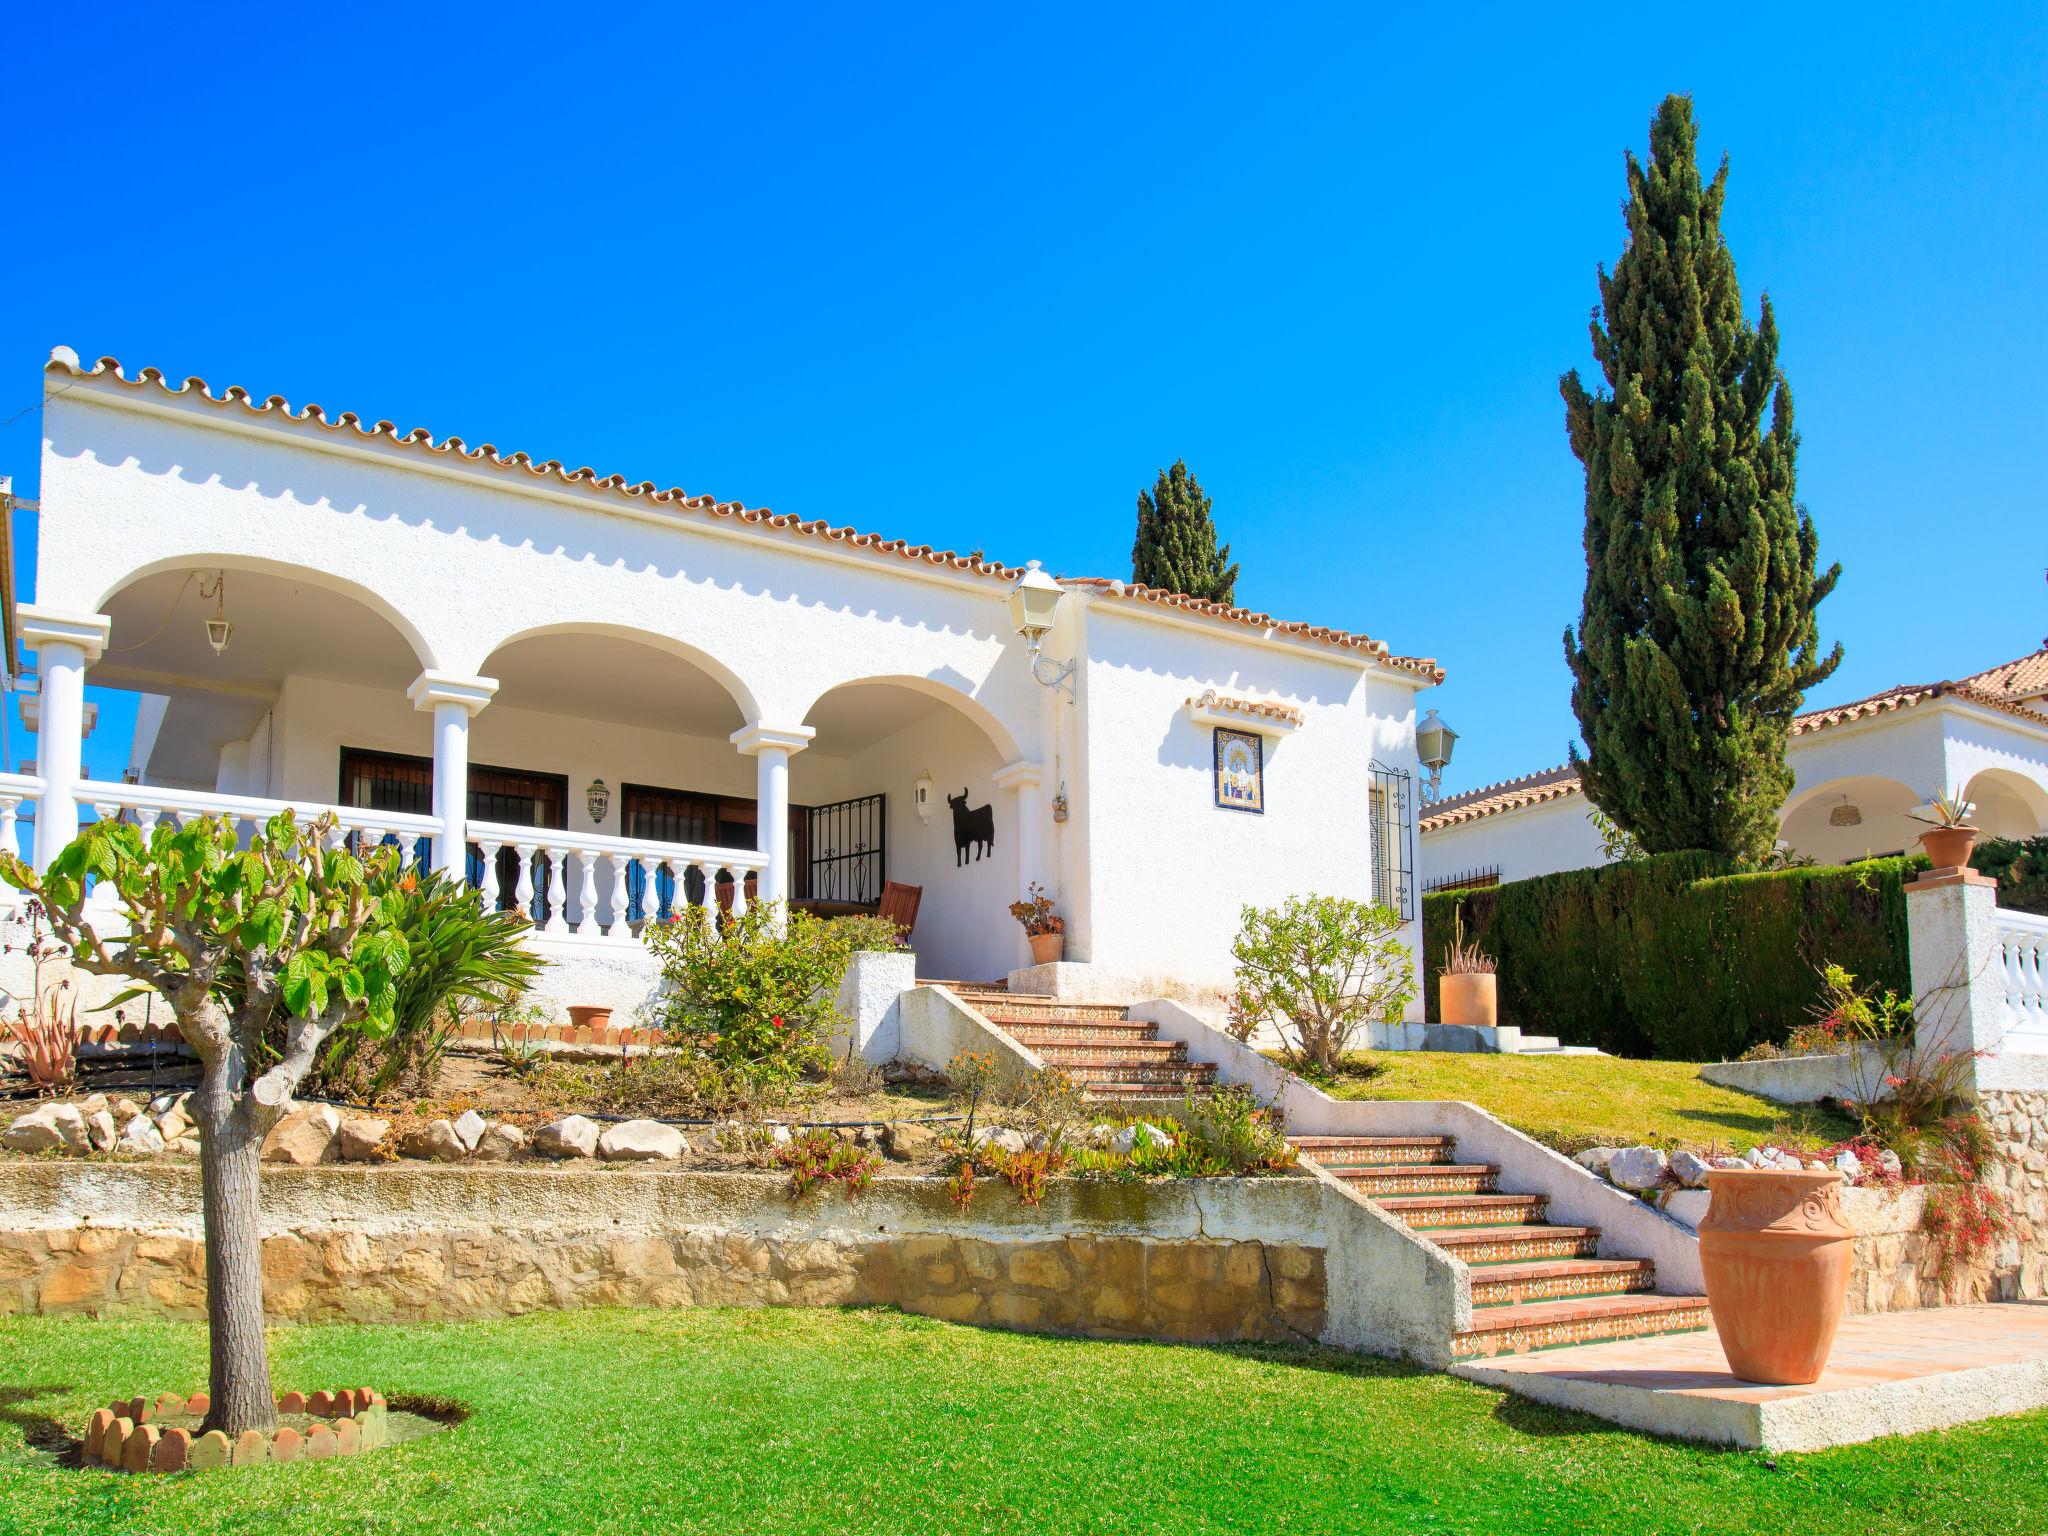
(1019, 775)
(753, 740)
(433, 688)
(38, 626)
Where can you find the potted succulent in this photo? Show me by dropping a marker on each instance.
(1466, 991)
(1046, 928)
(1950, 835)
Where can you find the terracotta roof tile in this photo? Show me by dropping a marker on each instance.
(1995, 689)
(64, 360)
(1260, 709)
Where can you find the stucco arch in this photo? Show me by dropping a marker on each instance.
(1881, 805)
(2005, 800)
(991, 725)
(310, 575)
(742, 694)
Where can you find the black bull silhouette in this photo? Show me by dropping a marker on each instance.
(975, 829)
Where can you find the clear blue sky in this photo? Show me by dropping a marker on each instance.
(972, 275)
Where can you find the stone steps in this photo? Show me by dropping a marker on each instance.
(1535, 1285)
(1113, 1057)
(1061, 1048)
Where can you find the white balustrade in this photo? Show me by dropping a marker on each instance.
(2023, 974)
(146, 804)
(16, 790)
(589, 880)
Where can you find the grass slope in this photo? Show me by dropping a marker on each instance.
(1571, 1102)
(854, 1422)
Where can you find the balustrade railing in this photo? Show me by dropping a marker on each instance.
(2023, 972)
(581, 884)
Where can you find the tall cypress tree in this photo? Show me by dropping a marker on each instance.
(1176, 548)
(1697, 638)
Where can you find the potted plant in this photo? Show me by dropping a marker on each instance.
(1949, 836)
(1466, 991)
(592, 1016)
(1045, 927)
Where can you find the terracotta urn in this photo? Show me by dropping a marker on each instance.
(1047, 948)
(1948, 847)
(1468, 998)
(589, 1016)
(1776, 1256)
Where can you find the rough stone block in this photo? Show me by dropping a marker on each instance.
(359, 1139)
(304, 1137)
(573, 1136)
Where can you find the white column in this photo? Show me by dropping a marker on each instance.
(454, 701)
(771, 747)
(1958, 992)
(65, 645)
(1026, 781)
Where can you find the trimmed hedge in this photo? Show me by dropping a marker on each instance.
(2020, 868)
(1672, 956)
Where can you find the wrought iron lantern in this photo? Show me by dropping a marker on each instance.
(1433, 743)
(220, 628)
(1033, 601)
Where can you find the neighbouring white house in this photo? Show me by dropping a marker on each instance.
(1859, 770)
(606, 702)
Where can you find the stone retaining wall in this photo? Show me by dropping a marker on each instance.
(1234, 1259)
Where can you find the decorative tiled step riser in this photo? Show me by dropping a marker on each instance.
(1468, 1211)
(1401, 1151)
(1140, 1072)
(1557, 1288)
(1048, 1013)
(1522, 1249)
(1133, 1093)
(1591, 1330)
(1376, 1184)
(1064, 1048)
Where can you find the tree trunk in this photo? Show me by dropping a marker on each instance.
(239, 1377)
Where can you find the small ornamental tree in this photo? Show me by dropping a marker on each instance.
(1317, 968)
(290, 939)
(1697, 637)
(1176, 549)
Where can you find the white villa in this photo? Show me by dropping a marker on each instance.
(604, 701)
(1859, 770)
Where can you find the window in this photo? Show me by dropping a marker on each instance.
(1391, 799)
(392, 781)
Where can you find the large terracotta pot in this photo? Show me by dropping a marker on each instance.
(1948, 847)
(1468, 998)
(588, 1016)
(1776, 1256)
(1046, 948)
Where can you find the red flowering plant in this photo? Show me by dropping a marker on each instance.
(757, 997)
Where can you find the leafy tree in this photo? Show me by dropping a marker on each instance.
(1697, 638)
(1317, 968)
(1176, 548)
(291, 938)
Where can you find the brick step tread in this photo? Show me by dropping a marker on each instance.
(1536, 1325)
(1464, 1210)
(1110, 1070)
(1357, 1161)
(1106, 1061)
(1424, 1182)
(1316, 1143)
(1514, 1244)
(1137, 1050)
(1396, 1170)
(1110, 1012)
(1532, 1280)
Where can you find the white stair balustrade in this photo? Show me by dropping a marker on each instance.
(589, 880)
(147, 804)
(2023, 974)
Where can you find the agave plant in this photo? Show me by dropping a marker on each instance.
(48, 1042)
(1462, 959)
(462, 955)
(1944, 810)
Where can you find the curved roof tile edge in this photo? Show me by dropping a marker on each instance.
(65, 360)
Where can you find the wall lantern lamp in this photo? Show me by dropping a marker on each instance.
(1433, 743)
(597, 800)
(1033, 602)
(921, 796)
(219, 629)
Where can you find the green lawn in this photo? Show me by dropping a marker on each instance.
(1571, 1102)
(817, 1421)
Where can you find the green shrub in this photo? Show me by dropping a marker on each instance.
(2020, 866)
(1318, 968)
(758, 997)
(1674, 957)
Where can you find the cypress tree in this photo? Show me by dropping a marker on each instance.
(1697, 638)
(1176, 548)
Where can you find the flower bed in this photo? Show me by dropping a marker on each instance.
(164, 1436)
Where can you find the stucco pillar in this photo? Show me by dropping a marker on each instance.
(65, 645)
(771, 747)
(1026, 782)
(453, 701)
(1952, 945)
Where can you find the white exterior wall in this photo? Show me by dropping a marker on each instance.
(463, 558)
(1535, 840)
(1168, 869)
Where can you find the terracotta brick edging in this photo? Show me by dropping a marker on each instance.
(123, 1435)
